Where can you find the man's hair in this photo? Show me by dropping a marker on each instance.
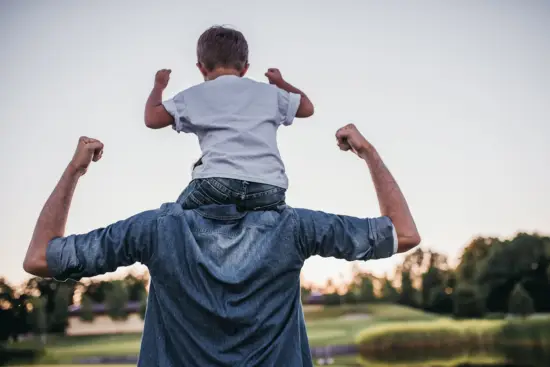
(220, 46)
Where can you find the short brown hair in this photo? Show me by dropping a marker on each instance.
(220, 46)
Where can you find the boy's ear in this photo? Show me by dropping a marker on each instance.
(245, 69)
(202, 69)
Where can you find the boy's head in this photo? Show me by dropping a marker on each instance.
(222, 50)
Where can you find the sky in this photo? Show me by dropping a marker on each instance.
(454, 95)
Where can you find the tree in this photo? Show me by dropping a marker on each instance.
(407, 296)
(473, 255)
(434, 277)
(59, 316)
(350, 298)
(86, 309)
(8, 318)
(143, 307)
(38, 317)
(366, 289)
(524, 258)
(468, 302)
(304, 294)
(388, 293)
(520, 302)
(440, 301)
(97, 291)
(136, 288)
(116, 300)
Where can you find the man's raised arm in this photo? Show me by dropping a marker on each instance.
(391, 200)
(102, 250)
(53, 217)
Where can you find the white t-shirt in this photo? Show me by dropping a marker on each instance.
(236, 120)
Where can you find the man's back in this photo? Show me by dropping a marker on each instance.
(225, 285)
(225, 292)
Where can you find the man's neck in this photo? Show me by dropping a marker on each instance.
(222, 71)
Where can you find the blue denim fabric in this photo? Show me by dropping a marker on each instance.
(225, 285)
(245, 195)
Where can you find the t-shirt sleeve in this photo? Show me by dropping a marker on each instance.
(288, 106)
(177, 108)
(345, 237)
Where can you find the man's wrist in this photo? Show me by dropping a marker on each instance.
(365, 150)
(73, 170)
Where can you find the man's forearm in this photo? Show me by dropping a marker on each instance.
(391, 200)
(51, 222)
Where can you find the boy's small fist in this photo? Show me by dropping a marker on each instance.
(162, 77)
(274, 76)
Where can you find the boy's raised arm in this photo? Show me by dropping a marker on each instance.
(306, 108)
(156, 116)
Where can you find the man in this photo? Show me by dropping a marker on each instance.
(225, 285)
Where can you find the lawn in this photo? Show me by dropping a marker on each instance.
(326, 326)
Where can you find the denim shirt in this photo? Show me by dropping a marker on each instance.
(225, 285)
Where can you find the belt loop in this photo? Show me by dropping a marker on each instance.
(244, 190)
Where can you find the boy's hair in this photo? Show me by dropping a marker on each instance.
(220, 46)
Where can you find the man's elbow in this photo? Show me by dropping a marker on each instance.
(35, 265)
(408, 242)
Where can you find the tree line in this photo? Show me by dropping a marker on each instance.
(42, 306)
(493, 277)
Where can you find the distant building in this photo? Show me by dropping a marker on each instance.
(101, 309)
(315, 298)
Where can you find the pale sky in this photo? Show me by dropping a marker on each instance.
(455, 96)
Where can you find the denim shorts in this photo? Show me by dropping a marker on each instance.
(222, 191)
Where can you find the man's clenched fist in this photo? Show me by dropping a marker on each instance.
(162, 78)
(349, 138)
(87, 150)
(274, 76)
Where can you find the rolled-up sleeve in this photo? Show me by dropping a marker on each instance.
(345, 237)
(104, 250)
(288, 106)
(177, 108)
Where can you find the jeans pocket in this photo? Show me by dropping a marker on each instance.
(211, 194)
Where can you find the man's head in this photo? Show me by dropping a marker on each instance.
(222, 50)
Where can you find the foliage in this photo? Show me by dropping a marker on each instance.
(333, 299)
(59, 316)
(468, 302)
(407, 295)
(116, 300)
(86, 309)
(388, 293)
(143, 308)
(520, 303)
(38, 317)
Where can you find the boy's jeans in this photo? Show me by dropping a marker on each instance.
(245, 195)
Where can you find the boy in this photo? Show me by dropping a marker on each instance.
(236, 120)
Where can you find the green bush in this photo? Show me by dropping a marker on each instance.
(520, 302)
(468, 302)
(19, 355)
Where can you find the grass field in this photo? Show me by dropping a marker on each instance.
(326, 326)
